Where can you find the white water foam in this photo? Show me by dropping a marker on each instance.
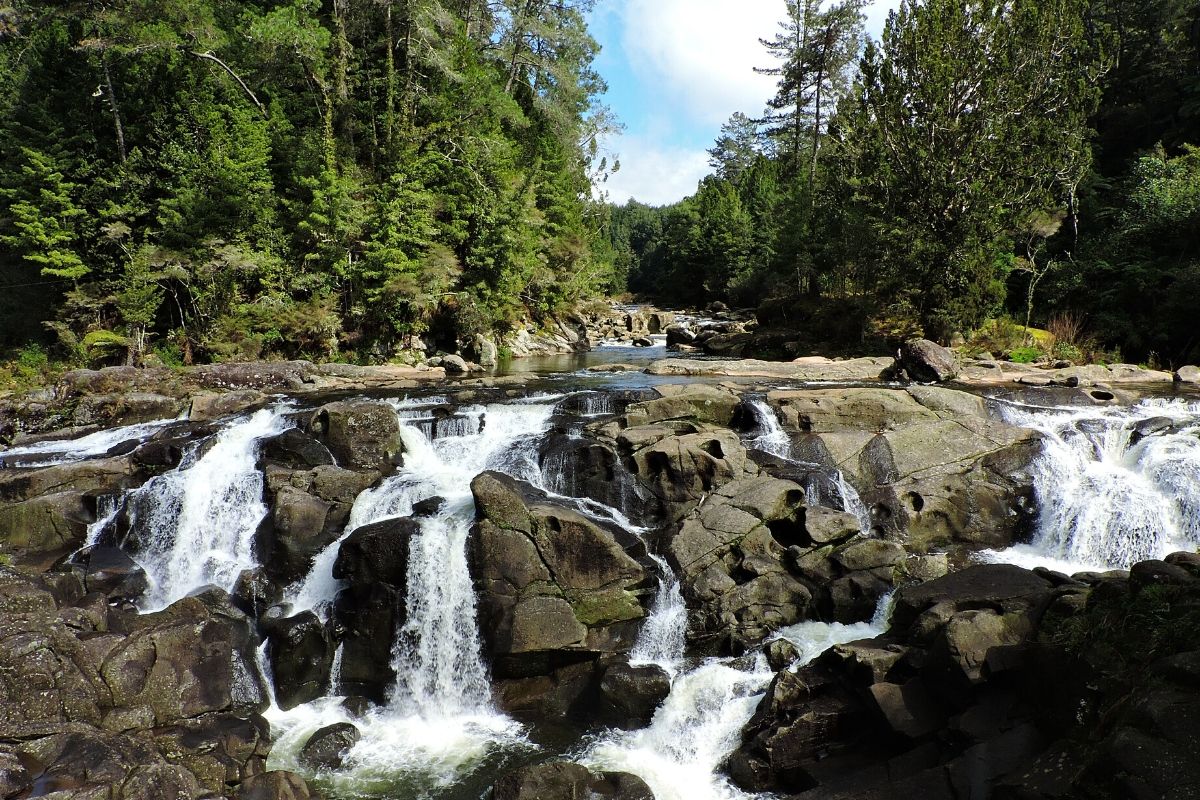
(198, 520)
(1107, 496)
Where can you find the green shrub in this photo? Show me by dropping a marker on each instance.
(1065, 351)
(1025, 355)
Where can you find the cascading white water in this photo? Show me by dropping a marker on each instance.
(1113, 486)
(439, 722)
(663, 636)
(771, 438)
(701, 721)
(196, 523)
(108, 508)
(852, 503)
(64, 451)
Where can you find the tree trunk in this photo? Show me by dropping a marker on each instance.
(116, 109)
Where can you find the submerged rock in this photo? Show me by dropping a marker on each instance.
(563, 780)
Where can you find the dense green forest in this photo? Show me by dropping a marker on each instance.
(1036, 159)
(239, 179)
(234, 179)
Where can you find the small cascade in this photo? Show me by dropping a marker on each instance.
(108, 509)
(1113, 486)
(195, 524)
(663, 636)
(335, 670)
(700, 723)
(597, 404)
(771, 437)
(65, 451)
(852, 503)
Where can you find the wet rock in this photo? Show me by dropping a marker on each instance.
(560, 780)
(300, 655)
(781, 654)
(731, 555)
(373, 561)
(678, 334)
(297, 449)
(632, 694)
(429, 507)
(643, 341)
(275, 785)
(361, 434)
(927, 362)
(302, 526)
(110, 571)
(997, 585)
(326, 748)
(377, 553)
(49, 509)
(125, 408)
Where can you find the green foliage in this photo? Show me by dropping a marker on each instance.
(1025, 355)
(105, 347)
(251, 180)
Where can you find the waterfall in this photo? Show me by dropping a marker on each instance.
(662, 638)
(701, 721)
(852, 503)
(439, 723)
(196, 523)
(335, 670)
(65, 451)
(597, 404)
(771, 438)
(1113, 486)
(108, 508)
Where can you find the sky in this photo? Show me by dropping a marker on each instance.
(676, 70)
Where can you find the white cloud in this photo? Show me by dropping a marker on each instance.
(654, 173)
(702, 53)
(694, 60)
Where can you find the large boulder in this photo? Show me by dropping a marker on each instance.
(927, 362)
(631, 694)
(1188, 375)
(161, 705)
(49, 509)
(361, 434)
(373, 561)
(935, 670)
(326, 748)
(563, 780)
(549, 578)
(932, 467)
(300, 655)
(309, 510)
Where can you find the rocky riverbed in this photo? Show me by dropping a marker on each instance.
(814, 578)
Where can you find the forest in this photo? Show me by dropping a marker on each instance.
(220, 180)
(987, 164)
(205, 180)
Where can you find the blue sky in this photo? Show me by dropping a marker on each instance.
(676, 70)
